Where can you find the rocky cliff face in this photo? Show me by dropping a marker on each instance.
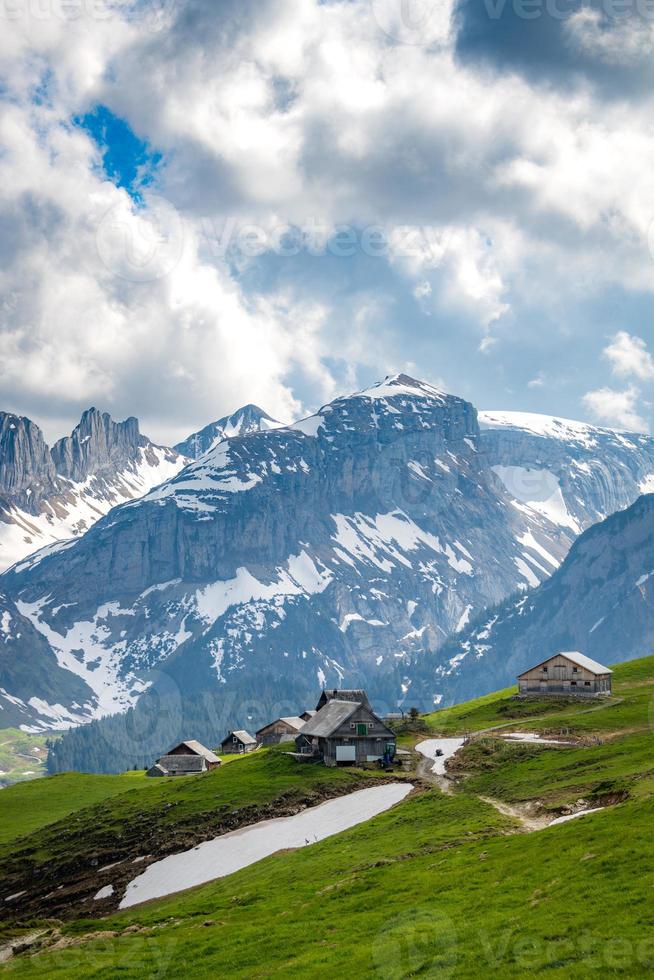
(97, 445)
(600, 602)
(48, 495)
(27, 472)
(246, 420)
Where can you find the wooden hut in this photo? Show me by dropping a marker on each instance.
(185, 759)
(238, 742)
(281, 730)
(346, 732)
(570, 674)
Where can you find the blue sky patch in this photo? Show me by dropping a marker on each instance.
(128, 161)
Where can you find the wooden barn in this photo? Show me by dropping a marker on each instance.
(281, 730)
(346, 732)
(238, 742)
(570, 674)
(185, 759)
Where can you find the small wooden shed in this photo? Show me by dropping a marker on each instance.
(569, 674)
(238, 742)
(346, 732)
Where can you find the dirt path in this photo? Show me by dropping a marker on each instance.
(529, 821)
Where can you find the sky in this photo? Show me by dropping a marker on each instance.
(206, 203)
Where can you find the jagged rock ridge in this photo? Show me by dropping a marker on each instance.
(49, 495)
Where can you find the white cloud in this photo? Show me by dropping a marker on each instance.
(616, 408)
(516, 193)
(629, 356)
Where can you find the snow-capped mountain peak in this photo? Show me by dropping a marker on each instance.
(243, 422)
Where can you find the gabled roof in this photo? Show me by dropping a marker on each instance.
(294, 722)
(291, 721)
(336, 694)
(329, 718)
(196, 748)
(583, 661)
(242, 735)
(576, 658)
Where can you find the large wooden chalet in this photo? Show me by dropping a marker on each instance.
(345, 730)
(570, 674)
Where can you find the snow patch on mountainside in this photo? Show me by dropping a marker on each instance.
(301, 577)
(538, 491)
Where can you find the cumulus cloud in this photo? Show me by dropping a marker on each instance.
(273, 115)
(629, 357)
(616, 408)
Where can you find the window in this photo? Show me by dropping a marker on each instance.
(369, 725)
(362, 728)
(587, 683)
(575, 670)
(544, 670)
(352, 725)
(573, 683)
(234, 738)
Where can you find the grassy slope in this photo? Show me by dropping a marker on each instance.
(28, 807)
(22, 756)
(438, 886)
(119, 818)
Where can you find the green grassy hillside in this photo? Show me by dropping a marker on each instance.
(441, 885)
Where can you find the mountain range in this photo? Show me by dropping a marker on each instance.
(346, 548)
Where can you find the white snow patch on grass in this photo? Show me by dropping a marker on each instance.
(430, 747)
(229, 853)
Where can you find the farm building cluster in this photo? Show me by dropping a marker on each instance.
(343, 729)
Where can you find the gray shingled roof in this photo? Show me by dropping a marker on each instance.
(346, 695)
(577, 658)
(329, 718)
(244, 736)
(199, 749)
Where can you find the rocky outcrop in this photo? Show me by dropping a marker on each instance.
(27, 472)
(97, 445)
